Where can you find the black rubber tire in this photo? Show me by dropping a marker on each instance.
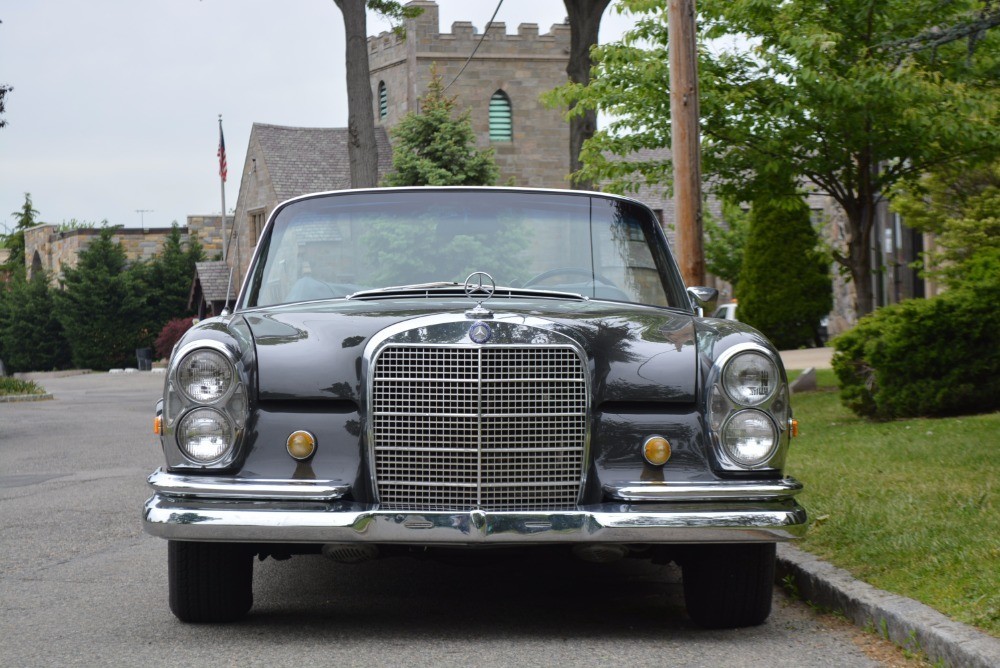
(728, 586)
(209, 582)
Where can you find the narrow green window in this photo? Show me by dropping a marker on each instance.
(383, 100)
(501, 117)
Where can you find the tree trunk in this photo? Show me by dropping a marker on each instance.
(584, 24)
(362, 151)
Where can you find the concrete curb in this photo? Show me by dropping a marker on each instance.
(12, 398)
(906, 622)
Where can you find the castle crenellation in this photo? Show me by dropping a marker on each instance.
(422, 35)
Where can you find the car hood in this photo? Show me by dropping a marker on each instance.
(314, 351)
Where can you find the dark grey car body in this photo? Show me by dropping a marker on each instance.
(515, 419)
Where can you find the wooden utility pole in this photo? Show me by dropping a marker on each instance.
(684, 139)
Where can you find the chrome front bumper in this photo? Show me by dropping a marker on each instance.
(181, 510)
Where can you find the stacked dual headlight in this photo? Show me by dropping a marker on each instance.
(206, 405)
(748, 409)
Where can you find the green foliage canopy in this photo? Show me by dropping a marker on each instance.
(725, 243)
(31, 336)
(819, 89)
(961, 205)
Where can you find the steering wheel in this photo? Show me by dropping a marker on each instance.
(577, 271)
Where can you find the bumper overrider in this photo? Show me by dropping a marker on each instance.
(198, 508)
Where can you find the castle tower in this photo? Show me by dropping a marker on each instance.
(501, 86)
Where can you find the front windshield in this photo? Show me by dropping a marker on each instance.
(332, 246)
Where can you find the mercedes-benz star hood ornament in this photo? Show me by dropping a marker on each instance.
(479, 286)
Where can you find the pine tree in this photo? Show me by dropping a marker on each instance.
(14, 242)
(101, 307)
(434, 148)
(31, 336)
(785, 287)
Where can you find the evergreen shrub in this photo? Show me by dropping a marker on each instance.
(784, 288)
(927, 357)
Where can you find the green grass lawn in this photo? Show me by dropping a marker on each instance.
(907, 506)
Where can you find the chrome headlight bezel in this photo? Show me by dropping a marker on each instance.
(767, 397)
(231, 403)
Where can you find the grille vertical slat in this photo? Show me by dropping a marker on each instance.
(497, 428)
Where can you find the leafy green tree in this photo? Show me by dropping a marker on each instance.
(102, 307)
(31, 335)
(785, 287)
(435, 148)
(725, 243)
(840, 92)
(26, 217)
(960, 204)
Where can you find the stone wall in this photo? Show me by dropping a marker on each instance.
(51, 250)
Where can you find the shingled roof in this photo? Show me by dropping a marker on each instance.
(305, 160)
(213, 278)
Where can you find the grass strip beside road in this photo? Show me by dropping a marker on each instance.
(909, 506)
(14, 386)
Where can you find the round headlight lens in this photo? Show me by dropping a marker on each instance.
(750, 378)
(204, 435)
(205, 376)
(749, 438)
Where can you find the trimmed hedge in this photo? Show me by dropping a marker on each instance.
(925, 357)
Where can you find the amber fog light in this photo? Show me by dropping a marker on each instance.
(656, 450)
(301, 445)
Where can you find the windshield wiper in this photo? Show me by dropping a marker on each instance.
(444, 288)
(403, 289)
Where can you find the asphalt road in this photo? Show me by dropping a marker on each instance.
(80, 584)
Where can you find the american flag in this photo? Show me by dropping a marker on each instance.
(223, 169)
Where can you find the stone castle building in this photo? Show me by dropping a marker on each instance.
(500, 87)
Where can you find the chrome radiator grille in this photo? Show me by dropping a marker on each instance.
(491, 427)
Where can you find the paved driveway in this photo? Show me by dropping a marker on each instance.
(81, 585)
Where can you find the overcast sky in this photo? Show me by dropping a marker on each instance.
(116, 102)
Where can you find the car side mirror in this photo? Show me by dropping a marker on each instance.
(703, 299)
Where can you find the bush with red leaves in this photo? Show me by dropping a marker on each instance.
(171, 334)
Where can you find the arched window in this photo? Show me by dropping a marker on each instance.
(383, 100)
(501, 117)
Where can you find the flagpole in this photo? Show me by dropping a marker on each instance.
(222, 185)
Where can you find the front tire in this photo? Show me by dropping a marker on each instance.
(209, 582)
(729, 586)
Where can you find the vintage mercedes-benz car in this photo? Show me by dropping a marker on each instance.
(439, 368)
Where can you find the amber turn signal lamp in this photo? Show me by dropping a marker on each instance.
(794, 427)
(656, 450)
(301, 445)
(158, 425)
